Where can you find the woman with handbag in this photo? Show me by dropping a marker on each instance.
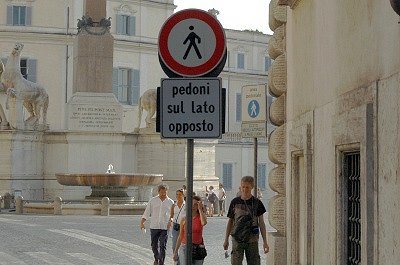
(199, 220)
(178, 211)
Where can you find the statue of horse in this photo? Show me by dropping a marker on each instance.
(34, 97)
(148, 102)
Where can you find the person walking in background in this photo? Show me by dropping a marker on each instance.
(199, 220)
(212, 201)
(177, 213)
(205, 203)
(221, 199)
(184, 190)
(158, 210)
(246, 222)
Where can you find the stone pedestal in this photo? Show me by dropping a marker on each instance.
(277, 249)
(21, 166)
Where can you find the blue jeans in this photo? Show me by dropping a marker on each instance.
(159, 237)
(175, 235)
(249, 249)
(182, 257)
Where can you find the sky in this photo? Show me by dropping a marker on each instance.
(234, 14)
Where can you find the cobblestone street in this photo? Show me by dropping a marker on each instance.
(83, 240)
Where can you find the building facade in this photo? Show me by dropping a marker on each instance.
(336, 77)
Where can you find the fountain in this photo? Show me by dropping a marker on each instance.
(111, 185)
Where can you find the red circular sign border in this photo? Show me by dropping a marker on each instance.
(204, 68)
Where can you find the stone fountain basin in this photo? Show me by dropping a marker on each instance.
(109, 179)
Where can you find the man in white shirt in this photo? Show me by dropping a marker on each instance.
(158, 210)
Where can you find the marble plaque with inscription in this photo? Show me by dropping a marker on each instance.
(94, 112)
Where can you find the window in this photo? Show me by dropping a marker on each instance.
(352, 224)
(126, 25)
(262, 176)
(19, 15)
(240, 61)
(126, 85)
(267, 63)
(227, 175)
(238, 107)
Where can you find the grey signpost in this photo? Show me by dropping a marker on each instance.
(192, 52)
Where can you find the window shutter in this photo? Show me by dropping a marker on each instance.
(227, 175)
(28, 20)
(132, 26)
(9, 15)
(120, 25)
(240, 61)
(261, 175)
(135, 87)
(31, 73)
(115, 82)
(238, 107)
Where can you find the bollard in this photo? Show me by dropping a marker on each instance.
(19, 205)
(57, 206)
(105, 206)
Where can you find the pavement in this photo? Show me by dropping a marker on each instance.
(84, 240)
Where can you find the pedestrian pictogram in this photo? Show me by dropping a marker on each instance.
(253, 108)
(191, 38)
(192, 43)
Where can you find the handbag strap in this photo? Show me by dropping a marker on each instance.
(176, 219)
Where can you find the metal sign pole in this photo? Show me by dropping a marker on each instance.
(255, 166)
(189, 198)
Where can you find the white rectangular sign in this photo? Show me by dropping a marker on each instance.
(254, 111)
(191, 108)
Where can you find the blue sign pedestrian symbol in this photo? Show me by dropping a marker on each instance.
(253, 108)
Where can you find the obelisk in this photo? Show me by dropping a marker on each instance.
(93, 107)
(93, 51)
(96, 9)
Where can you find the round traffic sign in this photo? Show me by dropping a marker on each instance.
(192, 43)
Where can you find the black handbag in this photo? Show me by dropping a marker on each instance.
(176, 226)
(199, 251)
